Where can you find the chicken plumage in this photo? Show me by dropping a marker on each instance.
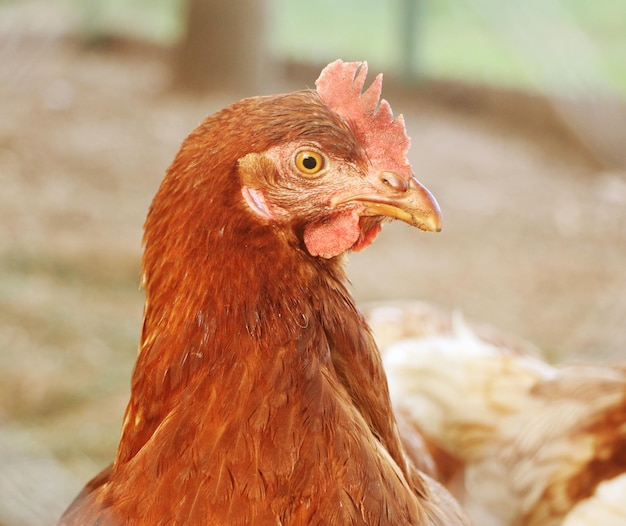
(258, 395)
(517, 440)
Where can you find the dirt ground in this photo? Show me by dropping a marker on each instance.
(534, 241)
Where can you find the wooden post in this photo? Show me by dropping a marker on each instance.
(224, 48)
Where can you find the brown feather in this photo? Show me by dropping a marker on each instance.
(258, 396)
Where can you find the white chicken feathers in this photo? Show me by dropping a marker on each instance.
(536, 445)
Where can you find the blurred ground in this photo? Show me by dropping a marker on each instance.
(534, 241)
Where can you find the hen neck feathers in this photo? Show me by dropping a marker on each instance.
(267, 345)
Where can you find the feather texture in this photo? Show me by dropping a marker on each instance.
(259, 396)
(525, 442)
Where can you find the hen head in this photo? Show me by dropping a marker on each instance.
(336, 187)
(324, 167)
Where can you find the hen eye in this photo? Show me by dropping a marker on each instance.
(308, 162)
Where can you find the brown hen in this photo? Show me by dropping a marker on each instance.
(258, 396)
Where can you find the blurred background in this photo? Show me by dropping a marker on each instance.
(517, 116)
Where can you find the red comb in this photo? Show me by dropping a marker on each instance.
(340, 86)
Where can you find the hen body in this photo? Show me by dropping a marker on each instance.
(258, 396)
(518, 441)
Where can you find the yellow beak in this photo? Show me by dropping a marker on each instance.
(398, 199)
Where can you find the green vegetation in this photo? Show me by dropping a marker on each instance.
(565, 46)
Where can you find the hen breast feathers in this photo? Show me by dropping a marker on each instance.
(518, 441)
(258, 396)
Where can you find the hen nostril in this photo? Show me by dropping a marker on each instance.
(399, 184)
